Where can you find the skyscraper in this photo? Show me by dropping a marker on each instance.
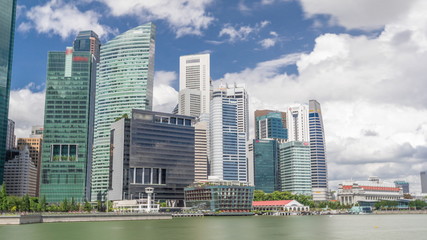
(319, 171)
(423, 176)
(297, 123)
(7, 26)
(124, 82)
(228, 128)
(11, 137)
(200, 151)
(68, 125)
(194, 84)
(404, 185)
(271, 125)
(266, 165)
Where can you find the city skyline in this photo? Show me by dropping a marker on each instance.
(374, 121)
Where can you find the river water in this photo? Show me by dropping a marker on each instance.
(348, 227)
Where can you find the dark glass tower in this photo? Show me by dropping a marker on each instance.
(266, 165)
(7, 27)
(68, 126)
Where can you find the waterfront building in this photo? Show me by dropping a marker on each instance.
(319, 172)
(270, 125)
(352, 192)
(266, 165)
(7, 26)
(280, 206)
(34, 145)
(68, 125)
(194, 84)
(36, 132)
(152, 149)
(228, 133)
(10, 136)
(201, 151)
(297, 123)
(20, 175)
(220, 196)
(124, 82)
(251, 163)
(402, 184)
(423, 176)
(295, 167)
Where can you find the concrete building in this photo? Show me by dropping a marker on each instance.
(194, 84)
(20, 175)
(228, 133)
(295, 167)
(220, 196)
(352, 192)
(280, 206)
(124, 82)
(423, 176)
(68, 125)
(10, 137)
(201, 151)
(152, 149)
(36, 132)
(7, 27)
(297, 123)
(319, 171)
(34, 146)
(404, 185)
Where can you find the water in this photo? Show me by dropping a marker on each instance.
(348, 227)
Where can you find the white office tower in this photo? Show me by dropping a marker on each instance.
(228, 133)
(297, 121)
(194, 84)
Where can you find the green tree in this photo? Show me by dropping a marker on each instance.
(87, 206)
(64, 206)
(3, 198)
(25, 203)
(42, 206)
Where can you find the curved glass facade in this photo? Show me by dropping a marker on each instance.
(124, 82)
(7, 26)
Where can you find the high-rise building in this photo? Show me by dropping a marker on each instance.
(201, 151)
(266, 165)
(125, 82)
(11, 137)
(295, 169)
(36, 132)
(271, 125)
(152, 149)
(194, 84)
(34, 145)
(319, 171)
(423, 176)
(68, 125)
(88, 41)
(228, 127)
(7, 27)
(404, 185)
(20, 175)
(297, 123)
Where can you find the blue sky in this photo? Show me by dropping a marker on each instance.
(363, 60)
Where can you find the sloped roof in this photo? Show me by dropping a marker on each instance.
(271, 203)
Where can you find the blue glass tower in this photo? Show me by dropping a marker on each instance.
(271, 125)
(266, 165)
(7, 27)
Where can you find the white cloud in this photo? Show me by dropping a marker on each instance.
(271, 41)
(26, 108)
(165, 97)
(241, 33)
(184, 16)
(63, 19)
(372, 95)
(361, 14)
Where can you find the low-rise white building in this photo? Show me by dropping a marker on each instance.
(351, 192)
(280, 206)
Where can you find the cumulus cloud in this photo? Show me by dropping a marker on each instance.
(371, 91)
(271, 41)
(165, 97)
(63, 19)
(26, 108)
(183, 16)
(361, 14)
(241, 33)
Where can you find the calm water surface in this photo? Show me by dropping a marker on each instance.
(365, 227)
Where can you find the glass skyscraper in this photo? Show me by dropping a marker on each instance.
(124, 82)
(271, 125)
(7, 27)
(68, 125)
(229, 133)
(266, 165)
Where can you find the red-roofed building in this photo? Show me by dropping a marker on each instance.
(280, 206)
(350, 193)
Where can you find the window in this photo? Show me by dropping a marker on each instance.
(147, 176)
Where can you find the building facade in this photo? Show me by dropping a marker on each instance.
(124, 82)
(34, 145)
(161, 156)
(278, 206)
(7, 26)
(319, 171)
(271, 125)
(295, 167)
(36, 132)
(266, 165)
(10, 136)
(201, 151)
(220, 196)
(20, 175)
(297, 123)
(228, 133)
(352, 192)
(194, 84)
(68, 125)
(404, 185)
(423, 176)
